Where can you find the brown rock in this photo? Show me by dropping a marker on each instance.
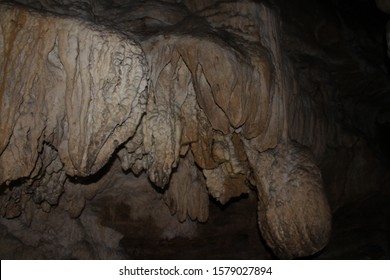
(80, 88)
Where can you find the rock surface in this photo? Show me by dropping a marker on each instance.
(68, 85)
(207, 99)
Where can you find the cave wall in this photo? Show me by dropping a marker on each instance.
(207, 98)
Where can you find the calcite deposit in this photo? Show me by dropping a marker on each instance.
(202, 97)
(66, 84)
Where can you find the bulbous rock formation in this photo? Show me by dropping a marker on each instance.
(202, 97)
(81, 92)
(294, 215)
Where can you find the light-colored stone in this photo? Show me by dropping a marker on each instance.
(80, 88)
(199, 95)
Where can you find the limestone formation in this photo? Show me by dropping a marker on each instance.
(69, 85)
(201, 96)
(294, 215)
(185, 87)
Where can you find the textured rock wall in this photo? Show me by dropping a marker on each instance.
(202, 97)
(90, 221)
(65, 84)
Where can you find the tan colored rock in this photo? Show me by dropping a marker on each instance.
(206, 95)
(80, 88)
(294, 215)
(187, 194)
(186, 84)
(293, 211)
(211, 105)
(228, 179)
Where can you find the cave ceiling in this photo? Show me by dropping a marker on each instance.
(284, 100)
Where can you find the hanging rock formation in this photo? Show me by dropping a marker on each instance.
(201, 97)
(68, 85)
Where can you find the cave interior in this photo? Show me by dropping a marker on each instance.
(183, 129)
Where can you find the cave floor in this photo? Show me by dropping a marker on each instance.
(361, 230)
